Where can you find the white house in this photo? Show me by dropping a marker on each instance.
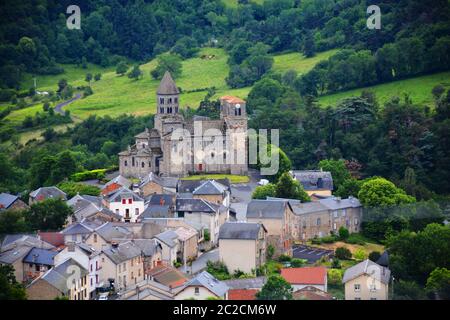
(125, 203)
(170, 245)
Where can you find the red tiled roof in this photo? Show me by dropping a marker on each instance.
(54, 238)
(242, 294)
(307, 275)
(311, 293)
(110, 188)
(232, 99)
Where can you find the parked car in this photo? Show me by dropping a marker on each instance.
(103, 296)
(263, 182)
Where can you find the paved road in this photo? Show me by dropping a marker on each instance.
(200, 264)
(59, 106)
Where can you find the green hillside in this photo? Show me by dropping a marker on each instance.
(418, 89)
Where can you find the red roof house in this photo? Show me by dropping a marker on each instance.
(242, 294)
(307, 276)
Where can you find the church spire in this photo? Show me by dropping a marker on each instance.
(167, 85)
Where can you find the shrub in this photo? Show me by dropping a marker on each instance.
(218, 269)
(335, 277)
(88, 175)
(360, 255)
(297, 263)
(343, 253)
(284, 258)
(270, 251)
(329, 239)
(343, 233)
(336, 263)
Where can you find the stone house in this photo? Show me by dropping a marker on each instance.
(124, 263)
(153, 184)
(14, 257)
(344, 213)
(61, 281)
(45, 193)
(317, 183)
(366, 281)
(277, 217)
(11, 202)
(242, 246)
(90, 207)
(37, 262)
(151, 253)
(88, 258)
(188, 239)
(170, 246)
(107, 234)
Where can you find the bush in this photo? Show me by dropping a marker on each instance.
(360, 255)
(336, 263)
(89, 175)
(335, 277)
(297, 263)
(343, 233)
(343, 253)
(356, 238)
(329, 239)
(284, 258)
(218, 269)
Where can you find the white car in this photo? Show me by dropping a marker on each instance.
(263, 182)
(103, 296)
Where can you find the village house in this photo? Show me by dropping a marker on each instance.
(188, 240)
(11, 202)
(14, 258)
(107, 234)
(90, 207)
(151, 252)
(88, 258)
(115, 184)
(170, 246)
(317, 183)
(80, 231)
(216, 191)
(202, 287)
(126, 203)
(122, 262)
(366, 280)
(167, 276)
(242, 246)
(345, 213)
(153, 184)
(12, 241)
(45, 193)
(204, 216)
(277, 218)
(300, 278)
(244, 289)
(311, 293)
(61, 281)
(37, 262)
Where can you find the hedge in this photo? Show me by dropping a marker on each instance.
(98, 174)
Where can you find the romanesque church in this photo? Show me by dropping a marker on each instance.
(179, 147)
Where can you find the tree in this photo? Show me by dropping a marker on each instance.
(62, 84)
(88, 78)
(72, 188)
(360, 255)
(135, 73)
(97, 76)
(379, 192)
(338, 171)
(276, 288)
(10, 289)
(335, 277)
(439, 283)
(121, 68)
(309, 46)
(343, 233)
(49, 134)
(48, 215)
(343, 253)
(262, 192)
(350, 187)
(413, 256)
(289, 188)
(408, 290)
(167, 62)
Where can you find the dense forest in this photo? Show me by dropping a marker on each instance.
(413, 38)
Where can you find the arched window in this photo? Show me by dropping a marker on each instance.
(170, 101)
(161, 110)
(161, 100)
(143, 164)
(125, 163)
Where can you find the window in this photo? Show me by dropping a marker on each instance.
(125, 163)
(95, 238)
(120, 268)
(96, 278)
(373, 287)
(161, 100)
(357, 287)
(197, 291)
(170, 100)
(335, 213)
(356, 222)
(132, 275)
(344, 212)
(130, 201)
(132, 161)
(318, 221)
(136, 211)
(143, 164)
(117, 211)
(176, 109)
(74, 237)
(91, 267)
(92, 282)
(176, 100)
(334, 226)
(96, 265)
(124, 201)
(161, 110)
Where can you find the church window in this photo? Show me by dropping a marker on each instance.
(161, 110)
(212, 154)
(176, 100)
(161, 100)
(170, 100)
(170, 110)
(143, 164)
(176, 109)
(132, 161)
(149, 163)
(126, 163)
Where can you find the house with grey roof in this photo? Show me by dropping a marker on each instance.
(366, 280)
(213, 191)
(315, 182)
(201, 287)
(151, 251)
(79, 231)
(345, 213)
(125, 203)
(170, 246)
(122, 264)
(154, 184)
(242, 246)
(11, 241)
(68, 279)
(90, 207)
(202, 215)
(45, 193)
(277, 217)
(14, 257)
(11, 202)
(108, 233)
(37, 262)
